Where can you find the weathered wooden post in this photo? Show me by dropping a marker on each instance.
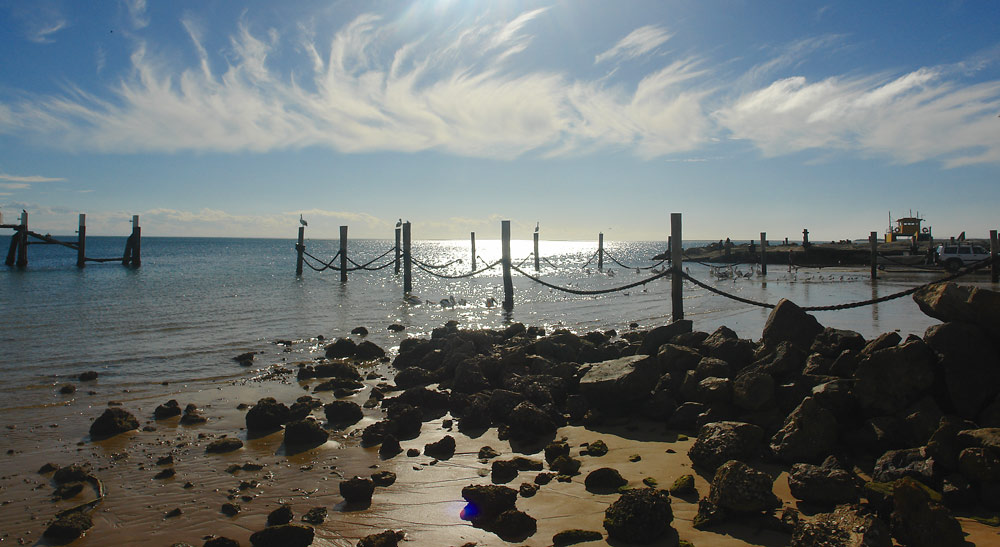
(994, 250)
(22, 242)
(81, 242)
(473, 241)
(343, 254)
(12, 250)
(508, 284)
(133, 247)
(407, 266)
(600, 251)
(676, 259)
(873, 240)
(763, 253)
(300, 248)
(397, 249)
(536, 250)
(805, 237)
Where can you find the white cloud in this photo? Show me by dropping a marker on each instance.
(42, 34)
(639, 42)
(137, 13)
(29, 178)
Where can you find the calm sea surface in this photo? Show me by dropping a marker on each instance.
(196, 303)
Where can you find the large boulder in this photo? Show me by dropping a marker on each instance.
(951, 302)
(610, 384)
(486, 502)
(971, 365)
(789, 323)
(527, 420)
(831, 342)
(341, 347)
(343, 413)
(823, 484)
(725, 345)
(302, 434)
(640, 515)
(847, 526)
(719, 442)
(809, 433)
(604, 480)
(914, 463)
(891, 379)
(113, 421)
(357, 490)
(267, 415)
(753, 388)
(68, 527)
(284, 535)
(661, 335)
(739, 488)
(367, 351)
(919, 521)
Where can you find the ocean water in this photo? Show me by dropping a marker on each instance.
(197, 302)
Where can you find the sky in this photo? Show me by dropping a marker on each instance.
(220, 118)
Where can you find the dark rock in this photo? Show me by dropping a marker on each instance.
(167, 410)
(513, 525)
(612, 384)
(753, 388)
(88, 376)
(414, 376)
(891, 379)
(725, 345)
(113, 421)
(544, 478)
(281, 515)
(267, 415)
(661, 335)
(68, 490)
(305, 434)
(641, 515)
(683, 486)
(919, 521)
(809, 433)
(565, 465)
(908, 462)
(67, 389)
(686, 415)
(823, 485)
(342, 385)
(68, 527)
(720, 442)
(487, 452)
(739, 488)
(882, 341)
(221, 541)
(336, 369)
(342, 347)
(71, 473)
(225, 444)
(165, 474)
(360, 331)
(596, 449)
(572, 537)
(388, 538)
(395, 327)
(503, 471)
(367, 351)
(554, 450)
(526, 490)
(604, 480)
(383, 478)
(950, 302)
(357, 490)
(837, 397)
(341, 414)
(230, 509)
(486, 502)
(831, 342)
(847, 526)
(315, 515)
(285, 535)
(443, 449)
(192, 416)
(970, 363)
(788, 323)
(979, 464)
(390, 447)
(713, 390)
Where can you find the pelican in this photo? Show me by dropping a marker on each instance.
(399, 223)
(302, 221)
(536, 227)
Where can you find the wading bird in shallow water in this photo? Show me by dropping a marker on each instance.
(302, 221)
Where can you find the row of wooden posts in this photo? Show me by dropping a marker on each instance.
(674, 245)
(17, 254)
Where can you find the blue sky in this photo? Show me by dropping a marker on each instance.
(231, 118)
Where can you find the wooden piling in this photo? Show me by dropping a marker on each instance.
(12, 250)
(473, 241)
(22, 242)
(81, 242)
(805, 237)
(763, 253)
(133, 246)
(994, 250)
(407, 266)
(300, 248)
(343, 254)
(536, 251)
(397, 250)
(508, 283)
(676, 260)
(873, 240)
(600, 251)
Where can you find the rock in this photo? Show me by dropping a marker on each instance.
(919, 521)
(267, 415)
(388, 538)
(285, 535)
(225, 444)
(167, 410)
(891, 379)
(572, 537)
(306, 433)
(847, 526)
(395, 327)
(336, 369)
(719, 442)
(383, 478)
(503, 471)
(979, 464)
(788, 323)
(753, 388)
(612, 384)
(604, 480)
(552, 451)
(68, 527)
(527, 420)
(221, 541)
(513, 525)
(908, 462)
(192, 416)
(713, 390)
(367, 351)
(984, 437)
(390, 447)
(414, 376)
(950, 302)
(725, 345)
(683, 486)
(641, 515)
(739, 488)
(165, 474)
(831, 342)
(360, 331)
(443, 449)
(68, 490)
(970, 363)
(341, 347)
(526, 490)
(71, 473)
(597, 449)
(565, 465)
(281, 515)
(809, 433)
(341, 414)
(823, 485)
(113, 421)
(88, 376)
(67, 389)
(357, 490)
(230, 509)
(661, 335)
(486, 502)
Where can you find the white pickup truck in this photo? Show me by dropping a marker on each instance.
(960, 255)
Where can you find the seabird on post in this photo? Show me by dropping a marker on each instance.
(302, 221)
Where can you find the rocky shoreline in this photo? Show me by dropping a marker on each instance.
(809, 436)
